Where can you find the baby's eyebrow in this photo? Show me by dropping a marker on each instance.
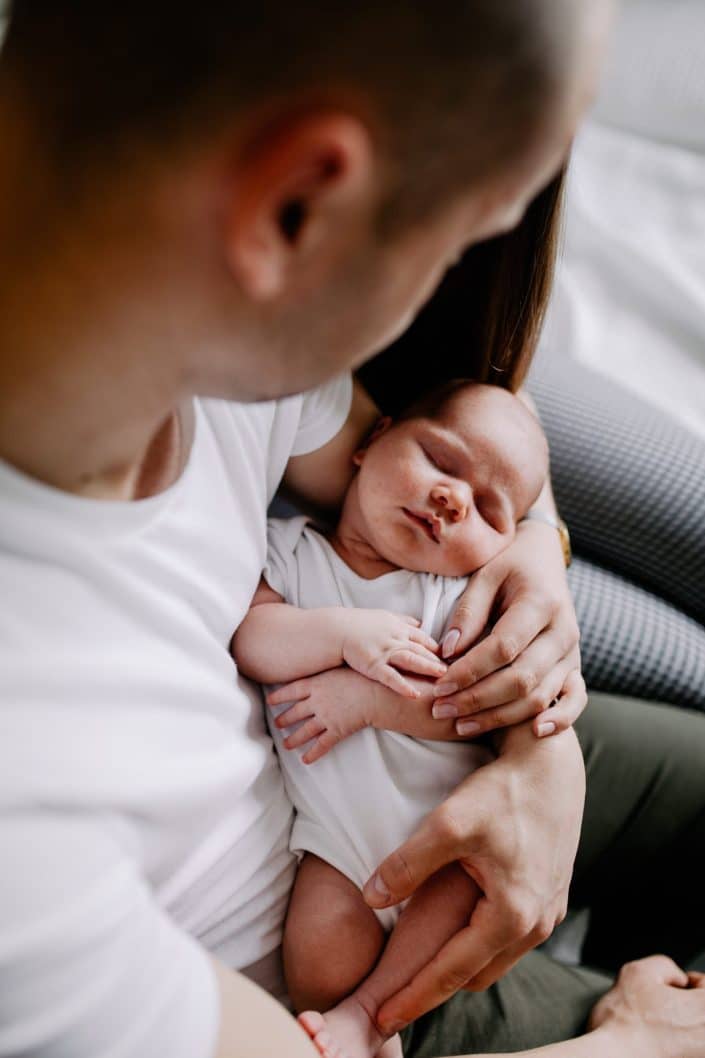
(452, 443)
(498, 491)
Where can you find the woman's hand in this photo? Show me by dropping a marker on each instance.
(658, 1009)
(514, 826)
(530, 657)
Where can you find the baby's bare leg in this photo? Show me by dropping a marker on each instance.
(434, 914)
(332, 939)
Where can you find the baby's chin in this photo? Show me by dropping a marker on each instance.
(440, 564)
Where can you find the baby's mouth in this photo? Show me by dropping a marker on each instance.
(430, 524)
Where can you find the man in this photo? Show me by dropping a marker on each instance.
(235, 208)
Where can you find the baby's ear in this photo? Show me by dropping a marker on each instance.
(381, 426)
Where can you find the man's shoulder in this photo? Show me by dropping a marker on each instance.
(263, 415)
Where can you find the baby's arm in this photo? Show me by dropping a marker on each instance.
(332, 705)
(277, 642)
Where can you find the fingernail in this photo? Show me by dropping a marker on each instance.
(443, 690)
(468, 727)
(390, 1028)
(379, 889)
(545, 729)
(444, 711)
(450, 642)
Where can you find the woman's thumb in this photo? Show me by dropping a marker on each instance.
(470, 616)
(425, 852)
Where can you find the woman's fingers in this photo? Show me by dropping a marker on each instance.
(511, 635)
(556, 704)
(659, 968)
(515, 682)
(570, 704)
(501, 716)
(461, 959)
(472, 613)
(432, 845)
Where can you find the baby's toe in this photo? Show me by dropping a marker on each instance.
(315, 1026)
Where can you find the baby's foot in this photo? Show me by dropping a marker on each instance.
(316, 1027)
(348, 1031)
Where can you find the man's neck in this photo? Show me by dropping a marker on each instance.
(91, 426)
(85, 404)
(91, 372)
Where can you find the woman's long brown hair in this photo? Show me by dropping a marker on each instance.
(484, 320)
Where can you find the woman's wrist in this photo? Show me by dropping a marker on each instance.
(621, 1039)
(520, 740)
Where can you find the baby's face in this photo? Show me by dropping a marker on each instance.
(444, 495)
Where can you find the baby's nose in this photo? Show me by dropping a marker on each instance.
(451, 501)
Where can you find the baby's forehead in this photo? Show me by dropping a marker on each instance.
(495, 425)
(490, 414)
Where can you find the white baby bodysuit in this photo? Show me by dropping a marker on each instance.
(367, 795)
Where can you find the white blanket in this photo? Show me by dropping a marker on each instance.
(630, 291)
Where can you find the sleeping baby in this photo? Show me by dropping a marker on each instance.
(436, 494)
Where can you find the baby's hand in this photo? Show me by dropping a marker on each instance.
(379, 644)
(324, 709)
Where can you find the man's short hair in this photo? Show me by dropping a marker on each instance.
(441, 81)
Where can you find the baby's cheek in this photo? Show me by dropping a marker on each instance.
(471, 554)
(404, 476)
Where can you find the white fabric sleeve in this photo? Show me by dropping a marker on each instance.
(90, 966)
(323, 414)
(281, 569)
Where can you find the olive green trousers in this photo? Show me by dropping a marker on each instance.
(639, 870)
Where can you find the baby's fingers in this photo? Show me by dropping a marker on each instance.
(413, 621)
(320, 747)
(310, 729)
(417, 660)
(389, 677)
(289, 692)
(300, 711)
(417, 636)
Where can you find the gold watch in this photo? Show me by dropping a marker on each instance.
(559, 525)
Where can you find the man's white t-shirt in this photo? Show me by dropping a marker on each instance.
(143, 817)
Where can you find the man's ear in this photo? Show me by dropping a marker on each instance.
(292, 192)
(381, 427)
